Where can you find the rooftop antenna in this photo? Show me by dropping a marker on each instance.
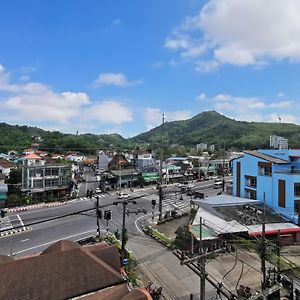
(279, 119)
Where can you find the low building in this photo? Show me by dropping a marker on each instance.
(6, 166)
(270, 175)
(66, 270)
(44, 180)
(3, 190)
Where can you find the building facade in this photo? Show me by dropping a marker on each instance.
(273, 175)
(45, 181)
(142, 159)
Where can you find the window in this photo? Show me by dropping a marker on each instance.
(297, 207)
(250, 181)
(265, 168)
(297, 189)
(281, 193)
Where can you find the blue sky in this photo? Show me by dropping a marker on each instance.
(116, 66)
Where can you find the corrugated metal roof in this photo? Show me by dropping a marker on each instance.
(267, 157)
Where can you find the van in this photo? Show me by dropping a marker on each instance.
(218, 185)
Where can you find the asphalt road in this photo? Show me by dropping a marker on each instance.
(81, 225)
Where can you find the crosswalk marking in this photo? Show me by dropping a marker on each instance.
(5, 223)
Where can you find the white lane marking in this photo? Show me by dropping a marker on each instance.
(135, 223)
(22, 223)
(24, 240)
(52, 242)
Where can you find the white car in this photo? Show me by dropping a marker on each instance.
(190, 185)
(98, 191)
(123, 196)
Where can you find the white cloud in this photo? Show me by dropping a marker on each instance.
(201, 97)
(241, 105)
(222, 97)
(46, 106)
(24, 78)
(108, 111)
(280, 94)
(178, 41)
(282, 104)
(206, 66)
(37, 103)
(248, 32)
(115, 79)
(153, 116)
(254, 109)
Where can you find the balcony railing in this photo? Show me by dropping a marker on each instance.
(289, 171)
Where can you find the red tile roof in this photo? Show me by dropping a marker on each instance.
(66, 270)
(32, 156)
(6, 163)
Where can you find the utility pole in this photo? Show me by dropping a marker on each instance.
(202, 265)
(223, 166)
(98, 216)
(125, 203)
(263, 250)
(123, 229)
(160, 191)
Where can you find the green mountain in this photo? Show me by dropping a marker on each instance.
(207, 127)
(213, 128)
(14, 137)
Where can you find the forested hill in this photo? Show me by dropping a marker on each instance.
(207, 127)
(13, 137)
(213, 128)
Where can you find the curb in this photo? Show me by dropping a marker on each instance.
(14, 231)
(34, 206)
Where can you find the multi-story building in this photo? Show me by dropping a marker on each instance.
(103, 161)
(273, 175)
(201, 147)
(44, 180)
(142, 159)
(278, 142)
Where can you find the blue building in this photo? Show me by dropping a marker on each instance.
(273, 174)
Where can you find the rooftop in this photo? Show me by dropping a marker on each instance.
(225, 214)
(266, 157)
(66, 270)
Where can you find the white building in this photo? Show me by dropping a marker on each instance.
(201, 147)
(278, 142)
(103, 161)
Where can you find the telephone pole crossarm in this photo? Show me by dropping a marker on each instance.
(197, 257)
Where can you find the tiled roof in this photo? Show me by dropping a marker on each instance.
(32, 156)
(267, 157)
(66, 270)
(56, 275)
(6, 163)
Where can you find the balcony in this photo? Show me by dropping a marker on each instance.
(288, 171)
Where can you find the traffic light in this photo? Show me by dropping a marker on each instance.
(3, 213)
(153, 202)
(99, 214)
(107, 215)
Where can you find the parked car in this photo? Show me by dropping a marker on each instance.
(123, 196)
(97, 191)
(218, 184)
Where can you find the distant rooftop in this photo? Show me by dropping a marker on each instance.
(267, 157)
